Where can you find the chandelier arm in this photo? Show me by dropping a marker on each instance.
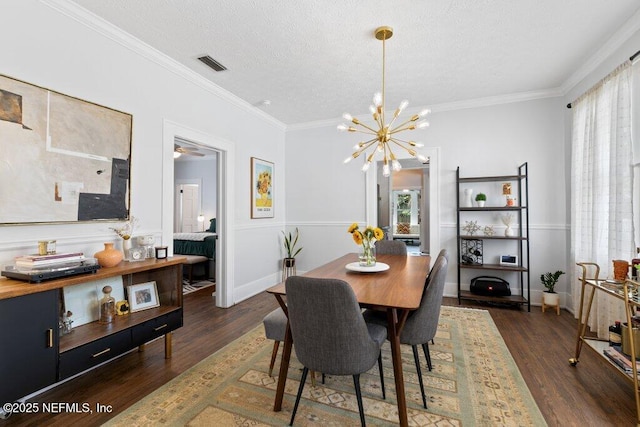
(365, 146)
(401, 129)
(397, 140)
(391, 155)
(378, 120)
(392, 120)
(398, 128)
(375, 132)
(400, 143)
(368, 131)
(368, 144)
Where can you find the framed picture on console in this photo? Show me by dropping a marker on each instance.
(143, 296)
(64, 159)
(262, 200)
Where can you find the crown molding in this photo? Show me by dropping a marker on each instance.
(496, 100)
(101, 26)
(451, 106)
(625, 32)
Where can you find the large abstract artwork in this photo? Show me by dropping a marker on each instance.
(62, 159)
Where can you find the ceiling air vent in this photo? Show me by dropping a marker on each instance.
(212, 63)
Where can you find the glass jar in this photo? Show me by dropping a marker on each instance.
(65, 323)
(107, 306)
(368, 254)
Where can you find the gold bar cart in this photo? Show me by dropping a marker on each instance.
(627, 291)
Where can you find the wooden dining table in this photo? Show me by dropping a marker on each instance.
(397, 290)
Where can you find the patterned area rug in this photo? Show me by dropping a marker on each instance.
(187, 288)
(474, 382)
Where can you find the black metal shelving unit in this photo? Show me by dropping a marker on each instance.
(521, 239)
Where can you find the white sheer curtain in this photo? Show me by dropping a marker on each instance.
(602, 187)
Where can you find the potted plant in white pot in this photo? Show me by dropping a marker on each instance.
(550, 297)
(481, 198)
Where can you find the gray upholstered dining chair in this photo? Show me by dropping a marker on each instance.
(422, 324)
(330, 334)
(391, 247)
(275, 327)
(425, 347)
(443, 253)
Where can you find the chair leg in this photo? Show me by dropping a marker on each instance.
(384, 395)
(427, 355)
(419, 372)
(356, 383)
(305, 371)
(274, 353)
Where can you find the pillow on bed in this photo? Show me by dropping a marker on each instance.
(212, 226)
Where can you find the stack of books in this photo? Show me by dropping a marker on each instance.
(615, 354)
(45, 261)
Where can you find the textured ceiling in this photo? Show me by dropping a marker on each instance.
(315, 60)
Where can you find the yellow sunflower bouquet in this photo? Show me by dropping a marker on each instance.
(367, 238)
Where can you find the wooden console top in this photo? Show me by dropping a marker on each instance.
(11, 288)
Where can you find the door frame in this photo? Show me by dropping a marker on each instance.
(371, 199)
(225, 222)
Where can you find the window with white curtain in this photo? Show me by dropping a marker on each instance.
(602, 227)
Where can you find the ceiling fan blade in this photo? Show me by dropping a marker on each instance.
(193, 153)
(182, 149)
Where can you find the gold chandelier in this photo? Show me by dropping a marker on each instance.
(385, 134)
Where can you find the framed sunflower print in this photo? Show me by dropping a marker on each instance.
(261, 188)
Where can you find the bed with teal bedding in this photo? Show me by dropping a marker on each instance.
(203, 243)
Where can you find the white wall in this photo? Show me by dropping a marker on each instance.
(324, 196)
(56, 51)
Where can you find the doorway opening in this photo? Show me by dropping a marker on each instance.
(405, 204)
(196, 191)
(195, 215)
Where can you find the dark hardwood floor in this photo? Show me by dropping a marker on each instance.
(591, 394)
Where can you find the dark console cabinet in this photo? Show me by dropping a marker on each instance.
(28, 344)
(93, 353)
(34, 356)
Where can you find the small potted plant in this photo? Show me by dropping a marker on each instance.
(550, 297)
(290, 242)
(481, 198)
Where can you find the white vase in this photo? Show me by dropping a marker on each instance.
(467, 202)
(508, 232)
(126, 247)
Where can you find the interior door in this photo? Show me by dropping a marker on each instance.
(188, 208)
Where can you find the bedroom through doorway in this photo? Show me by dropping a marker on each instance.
(195, 213)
